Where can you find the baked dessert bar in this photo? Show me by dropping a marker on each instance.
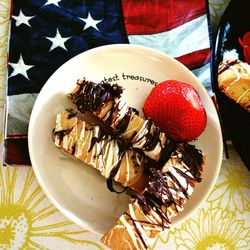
(104, 102)
(160, 174)
(234, 81)
(151, 212)
(113, 158)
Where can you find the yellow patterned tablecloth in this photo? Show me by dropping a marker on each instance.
(29, 221)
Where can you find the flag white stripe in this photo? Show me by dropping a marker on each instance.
(19, 115)
(184, 39)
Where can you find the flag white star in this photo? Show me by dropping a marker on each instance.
(22, 19)
(90, 22)
(58, 41)
(20, 68)
(55, 2)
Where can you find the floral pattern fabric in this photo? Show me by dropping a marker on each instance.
(29, 221)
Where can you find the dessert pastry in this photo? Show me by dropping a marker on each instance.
(104, 102)
(113, 158)
(234, 81)
(166, 193)
(160, 174)
(158, 194)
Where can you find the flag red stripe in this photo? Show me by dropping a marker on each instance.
(17, 152)
(16, 136)
(154, 16)
(195, 59)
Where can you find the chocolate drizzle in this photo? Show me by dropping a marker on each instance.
(152, 136)
(91, 96)
(71, 113)
(164, 188)
(192, 158)
(176, 181)
(101, 136)
(158, 187)
(166, 153)
(226, 65)
(123, 124)
(60, 134)
(159, 190)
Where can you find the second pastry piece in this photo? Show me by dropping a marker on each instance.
(166, 193)
(234, 81)
(113, 158)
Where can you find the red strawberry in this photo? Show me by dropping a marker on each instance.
(245, 43)
(177, 109)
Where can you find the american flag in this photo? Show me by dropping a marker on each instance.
(47, 33)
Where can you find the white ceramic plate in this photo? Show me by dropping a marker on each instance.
(77, 190)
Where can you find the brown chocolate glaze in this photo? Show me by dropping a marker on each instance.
(71, 113)
(60, 134)
(226, 64)
(91, 96)
(123, 124)
(152, 139)
(158, 193)
(101, 136)
(166, 153)
(193, 158)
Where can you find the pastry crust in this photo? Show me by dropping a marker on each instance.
(133, 230)
(115, 113)
(80, 140)
(138, 227)
(234, 81)
(161, 174)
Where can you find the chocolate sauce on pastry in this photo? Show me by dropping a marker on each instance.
(119, 151)
(90, 96)
(226, 64)
(104, 103)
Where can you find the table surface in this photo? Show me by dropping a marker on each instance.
(29, 221)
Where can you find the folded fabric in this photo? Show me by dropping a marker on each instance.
(47, 33)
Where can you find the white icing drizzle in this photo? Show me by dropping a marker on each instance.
(119, 113)
(134, 125)
(83, 139)
(128, 245)
(130, 232)
(108, 240)
(110, 158)
(242, 95)
(140, 139)
(238, 76)
(127, 170)
(106, 116)
(137, 223)
(121, 109)
(59, 122)
(104, 156)
(68, 142)
(155, 151)
(236, 71)
(153, 218)
(246, 67)
(182, 181)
